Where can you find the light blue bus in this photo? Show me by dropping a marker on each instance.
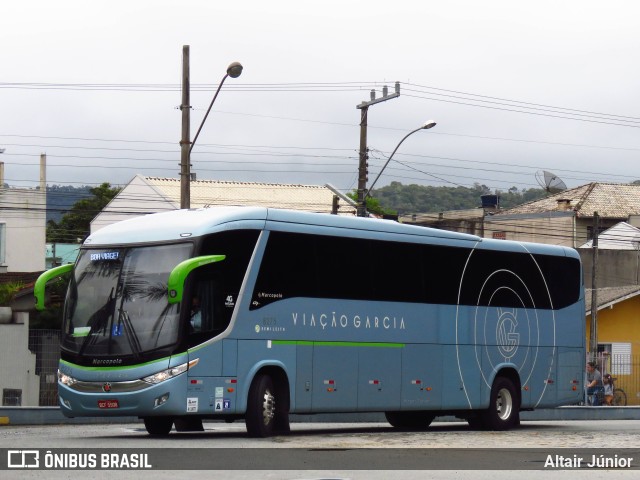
(256, 313)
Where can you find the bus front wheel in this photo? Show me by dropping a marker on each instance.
(158, 425)
(504, 406)
(261, 407)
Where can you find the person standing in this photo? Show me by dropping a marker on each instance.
(594, 384)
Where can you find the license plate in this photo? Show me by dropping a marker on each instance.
(109, 403)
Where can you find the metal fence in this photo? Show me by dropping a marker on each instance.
(46, 346)
(625, 371)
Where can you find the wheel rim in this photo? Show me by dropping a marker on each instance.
(504, 404)
(268, 407)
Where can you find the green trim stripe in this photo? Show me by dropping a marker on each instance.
(125, 367)
(338, 344)
(274, 342)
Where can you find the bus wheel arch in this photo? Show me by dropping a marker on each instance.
(268, 403)
(503, 412)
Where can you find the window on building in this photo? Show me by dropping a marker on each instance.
(11, 397)
(616, 357)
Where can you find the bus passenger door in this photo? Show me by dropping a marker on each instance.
(335, 378)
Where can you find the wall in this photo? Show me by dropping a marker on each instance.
(620, 323)
(136, 199)
(616, 268)
(18, 363)
(556, 228)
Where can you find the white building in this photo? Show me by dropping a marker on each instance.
(144, 195)
(22, 250)
(23, 225)
(622, 236)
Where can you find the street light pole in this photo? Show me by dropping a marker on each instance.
(362, 165)
(427, 125)
(233, 70)
(185, 107)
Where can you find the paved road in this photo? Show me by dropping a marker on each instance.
(341, 443)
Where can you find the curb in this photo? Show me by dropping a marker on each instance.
(53, 416)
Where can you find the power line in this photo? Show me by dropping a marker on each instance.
(527, 112)
(510, 101)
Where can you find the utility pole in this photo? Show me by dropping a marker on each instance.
(593, 338)
(185, 143)
(363, 165)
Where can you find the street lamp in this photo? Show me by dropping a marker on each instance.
(427, 125)
(233, 70)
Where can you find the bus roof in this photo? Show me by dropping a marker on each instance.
(181, 224)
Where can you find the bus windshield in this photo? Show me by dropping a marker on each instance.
(117, 301)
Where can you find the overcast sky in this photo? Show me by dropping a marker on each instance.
(515, 87)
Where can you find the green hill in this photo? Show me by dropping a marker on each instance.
(407, 199)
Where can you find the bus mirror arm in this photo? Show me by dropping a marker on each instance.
(177, 277)
(41, 283)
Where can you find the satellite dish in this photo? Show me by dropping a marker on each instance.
(550, 181)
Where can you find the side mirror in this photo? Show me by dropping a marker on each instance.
(41, 283)
(179, 274)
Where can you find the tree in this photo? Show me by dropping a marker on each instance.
(373, 205)
(75, 225)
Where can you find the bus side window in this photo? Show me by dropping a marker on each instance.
(208, 311)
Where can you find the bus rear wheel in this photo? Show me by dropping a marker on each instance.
(409, 420)
(504, 406)
(158, 425)
(261, 407)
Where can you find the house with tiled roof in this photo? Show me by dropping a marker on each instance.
(566, 218)
(144, 195)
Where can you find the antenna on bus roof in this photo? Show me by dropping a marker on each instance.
(550, 182)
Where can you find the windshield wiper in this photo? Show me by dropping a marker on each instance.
(130, 333)
(98, 320)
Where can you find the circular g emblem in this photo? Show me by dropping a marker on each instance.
(507, 337)
(504, 317)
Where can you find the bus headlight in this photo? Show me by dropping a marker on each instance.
(170, 372)
(65, 379)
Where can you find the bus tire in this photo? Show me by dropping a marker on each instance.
(409, 420)
(158, 425)
(261, 407)
(475, 423)
(504, 406)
